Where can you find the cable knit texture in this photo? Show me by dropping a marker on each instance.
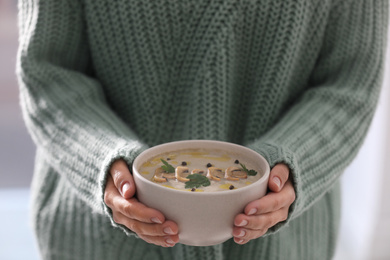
(295, 80)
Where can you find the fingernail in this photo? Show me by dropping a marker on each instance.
(243, 223)
(125, 188)
(252, 211)
(240, 241)
(168, 231)
(277, 181)
(156, 220)
(169, 241)
(242, 233)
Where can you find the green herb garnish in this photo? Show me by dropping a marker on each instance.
(197, 180)
(167, 167)
(249, 172)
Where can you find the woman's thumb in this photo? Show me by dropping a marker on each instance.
(123, 179)
(278, 177)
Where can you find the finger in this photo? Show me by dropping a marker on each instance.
(134, 209)
(278, 177)
(110, 192)
(263, 221)
(243, 235)
(131, 208)
(123, 179)
(247, 234)
(272, 201)
(166, 241)
(240, 241)
(147, 229)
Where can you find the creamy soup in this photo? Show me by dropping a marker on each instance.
(198, 170)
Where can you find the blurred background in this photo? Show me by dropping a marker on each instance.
(365, 224)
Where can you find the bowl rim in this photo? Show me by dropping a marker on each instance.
(203, 193)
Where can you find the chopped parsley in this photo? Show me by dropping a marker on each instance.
(167, 167)
(249, 172)
(197, 180)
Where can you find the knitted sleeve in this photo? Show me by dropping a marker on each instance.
(65, 109)
(322, 132)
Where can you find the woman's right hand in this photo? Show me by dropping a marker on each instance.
(149, 224)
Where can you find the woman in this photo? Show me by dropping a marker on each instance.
(296, 81)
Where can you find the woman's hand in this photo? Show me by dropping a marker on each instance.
(271, 209)
(149, 224)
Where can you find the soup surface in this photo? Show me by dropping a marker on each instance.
(198, 170)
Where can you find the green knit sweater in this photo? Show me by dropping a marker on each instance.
(295, 80)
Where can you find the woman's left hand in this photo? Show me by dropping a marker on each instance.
(266, 212)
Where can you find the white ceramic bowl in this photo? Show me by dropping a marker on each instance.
(204, 218)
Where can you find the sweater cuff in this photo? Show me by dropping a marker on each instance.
(128, 152)
(275, 154)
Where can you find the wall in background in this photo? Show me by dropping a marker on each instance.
(16, 147)
(365, 229)
(365, 223)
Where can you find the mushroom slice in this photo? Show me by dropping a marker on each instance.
(214, 173)
(181, 173)
(159, 175)
(197, 171)
(234, 173)
(169, 175)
